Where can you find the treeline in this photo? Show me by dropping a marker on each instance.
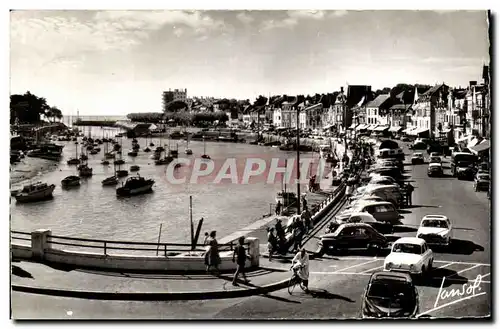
(180, 118)
(29, 109)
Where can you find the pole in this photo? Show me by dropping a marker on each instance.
(159, 237)
(191, 217)
(298, 161)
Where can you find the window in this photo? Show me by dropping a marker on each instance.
(348, 231)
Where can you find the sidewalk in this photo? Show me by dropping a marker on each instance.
(96, 284)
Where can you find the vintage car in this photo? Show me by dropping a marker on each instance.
(435, 154)
(435, 230)
(352, 236)
(482, 182)
(390, 295)
(382, 211)
(435, 169)
(435, 159)
(411, 255)
(465, 170)
(417, 158)
(366, 218)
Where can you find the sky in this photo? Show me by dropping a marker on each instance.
(119, 62)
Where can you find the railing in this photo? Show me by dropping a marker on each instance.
(20, 236)
(131, 247)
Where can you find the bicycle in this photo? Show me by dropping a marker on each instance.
(295, 280)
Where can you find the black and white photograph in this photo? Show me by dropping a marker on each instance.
(250, 164)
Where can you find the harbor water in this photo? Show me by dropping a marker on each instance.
(94, 211)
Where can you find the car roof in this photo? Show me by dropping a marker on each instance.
(399, 276)
(362, 214)
(411, 240)
(435, 217)
(435, 164)
(375, 187)
(418, 153)
(354, 224)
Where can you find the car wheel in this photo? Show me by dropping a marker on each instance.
(374, 249)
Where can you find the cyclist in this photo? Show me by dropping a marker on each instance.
(300, 265)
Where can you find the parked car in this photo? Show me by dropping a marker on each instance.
(482, 182)
(390, 295)
(417, 158)
(393, 172)
(366, 218)
(418, 146)
(382, 211)
(387, 192)
(435, 230)
(435, 169)
(411, 255)
(461, 160)
(435, 159)
(465, 170)
(435, 154)
(352, 236)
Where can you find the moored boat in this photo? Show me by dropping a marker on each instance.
(135, 186)
(147, 149)
(119, 162)
(121, 173)
(113, 180)
(134, 168)
(132, 153)
(71, 181)
(85, 171)
(35, 192)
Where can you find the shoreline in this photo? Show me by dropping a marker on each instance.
(29, 168)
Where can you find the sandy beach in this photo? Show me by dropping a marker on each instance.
(29, 168)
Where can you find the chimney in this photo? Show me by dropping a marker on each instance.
(472, 83)
(342, 89)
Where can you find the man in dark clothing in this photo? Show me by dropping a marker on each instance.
(278, 208)
(409, 192)
(240, 257)
(304, 202)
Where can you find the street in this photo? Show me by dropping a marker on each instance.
(337, 282)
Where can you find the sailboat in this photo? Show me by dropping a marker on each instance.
(119, 172)
(205, 155)
(84, 170)
(188, 151)
(75, 160)
(147, 149)
(105, 159)
(112, 180)
(70, 181)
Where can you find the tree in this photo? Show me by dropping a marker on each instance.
(28, 108)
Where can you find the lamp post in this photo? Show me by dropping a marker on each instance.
(298, 161)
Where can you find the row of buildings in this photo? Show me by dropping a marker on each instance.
(440, 111)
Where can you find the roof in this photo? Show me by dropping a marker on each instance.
(381, 99)
(400, 107)
(436, 217)
(391, 275)
(432, 90)
(412, 240)
(481, 147)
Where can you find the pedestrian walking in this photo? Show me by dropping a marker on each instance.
(297, 236)
(409, 192)
(212, 257)
(306, 220)
(271, 242)
(205, 241)
(278, 208)
(240, 256)
(304, 201)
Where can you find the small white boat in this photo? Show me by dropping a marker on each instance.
(35, 192)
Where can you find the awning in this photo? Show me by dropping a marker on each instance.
(362, 127)
(472, 143)
(371, 127)
(352, 126)
(381, 128)
(395, 128)
(481, 147)
(407, 130)
(419, 131)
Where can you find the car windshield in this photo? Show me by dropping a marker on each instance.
(407, 248)
(391, 294)
(435, 159)
(435, 223)
(418, 155)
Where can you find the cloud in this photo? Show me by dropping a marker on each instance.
(338, 13)
(307, 14)
(293, 18)
(245, 18)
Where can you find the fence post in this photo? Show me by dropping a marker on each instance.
(165, 248)
(105, 248)
(39, 242)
